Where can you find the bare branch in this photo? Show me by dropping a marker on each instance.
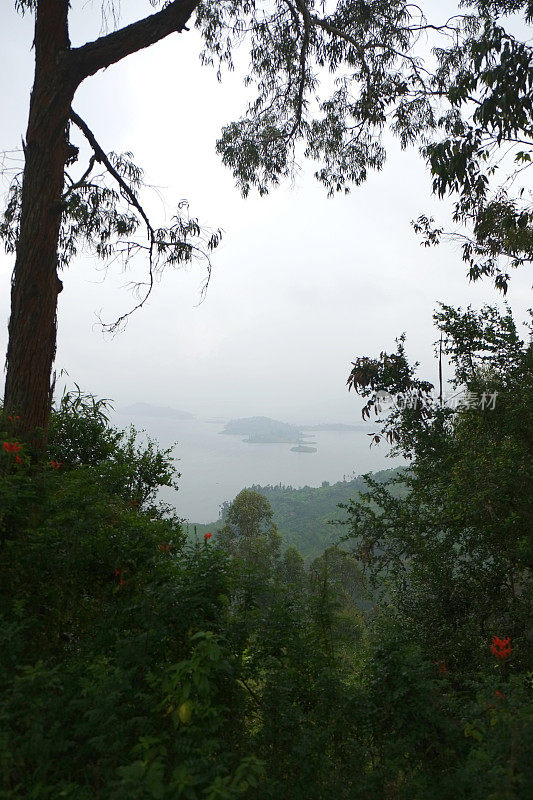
(120, 322)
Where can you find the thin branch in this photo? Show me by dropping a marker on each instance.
(294, 14)
(83, 178)
(338, 32)
(111, 327)
(154, 242)
(251, 692)
(303, 57)
(334, 31)
(102, 158)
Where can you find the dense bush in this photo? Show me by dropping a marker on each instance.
(111, 629)
(135, 665)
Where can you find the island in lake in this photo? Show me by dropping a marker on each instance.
(263, 430)
(303, 448)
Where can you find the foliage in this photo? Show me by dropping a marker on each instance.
(455, 554)
(343, 572)
(135, 665)
(97, 651)
(468, 105)
(470, 99)
(80, 435)
(248, 532)
(109, 222)
(485, 75)
(127, 657)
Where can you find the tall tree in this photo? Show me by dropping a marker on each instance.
(248, 532)
(44, 205)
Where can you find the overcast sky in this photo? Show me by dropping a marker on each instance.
(301, 285)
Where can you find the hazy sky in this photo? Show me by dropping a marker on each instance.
(301, 285)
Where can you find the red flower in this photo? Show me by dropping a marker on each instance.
(18, 459)
(165, 547)
(500, 694)
(56, 464)
(11, 447)
(207, 536)
(119, 574)
(13, 419)
(501, 648)
(443, 669)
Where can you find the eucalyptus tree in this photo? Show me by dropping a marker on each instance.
(329, 78)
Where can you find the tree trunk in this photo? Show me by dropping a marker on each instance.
(35, 284)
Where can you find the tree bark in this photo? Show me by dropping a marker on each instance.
(35, 285)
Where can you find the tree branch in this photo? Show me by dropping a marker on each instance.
(157, 246)
(83, 178)
(107, 50)
(103, 159)
(303, 57)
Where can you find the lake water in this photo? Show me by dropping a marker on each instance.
(215, 467)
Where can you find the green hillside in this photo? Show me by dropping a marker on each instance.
(303, 515)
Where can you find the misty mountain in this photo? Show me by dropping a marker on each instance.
(163, 412)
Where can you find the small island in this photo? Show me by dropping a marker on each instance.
(303, 448)
(263, 430)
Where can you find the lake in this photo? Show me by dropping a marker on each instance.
(215, 467)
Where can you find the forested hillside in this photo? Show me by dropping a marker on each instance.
(304, 516)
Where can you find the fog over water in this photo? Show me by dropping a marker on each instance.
(215, 467)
